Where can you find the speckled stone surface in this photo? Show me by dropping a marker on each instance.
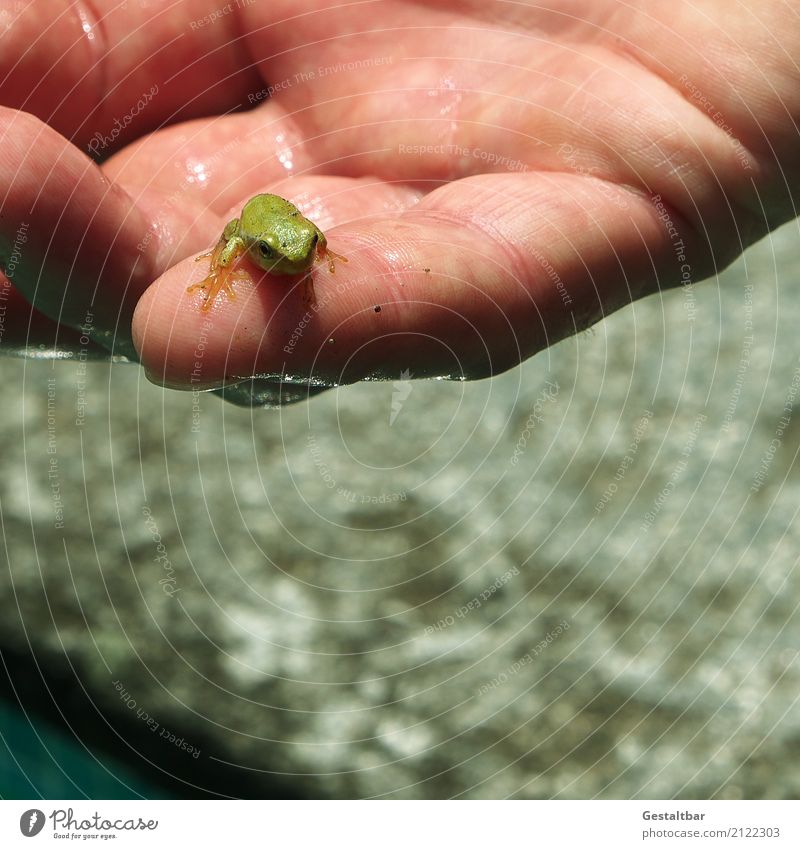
(577, 579)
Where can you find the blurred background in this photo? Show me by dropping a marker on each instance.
(578, 579)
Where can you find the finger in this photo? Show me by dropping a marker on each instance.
(669, 99)
(212, 162)
(324, 200)
(82, 255)
(109, 73)
(584, 107)
(25, 332)
(479, 275)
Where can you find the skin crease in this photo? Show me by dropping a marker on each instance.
(549, 132)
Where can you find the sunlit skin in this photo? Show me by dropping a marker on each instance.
(273, 234)
(487, 168)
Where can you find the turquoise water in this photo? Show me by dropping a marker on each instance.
(37, 761)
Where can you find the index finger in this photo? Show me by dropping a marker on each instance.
(479, 275)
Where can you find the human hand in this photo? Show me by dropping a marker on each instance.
(498, 177)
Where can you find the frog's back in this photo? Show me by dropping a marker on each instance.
(262, 211)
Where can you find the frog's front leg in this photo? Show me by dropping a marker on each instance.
(227, 234)
(324, 252)
(309, 295)
(223, 267)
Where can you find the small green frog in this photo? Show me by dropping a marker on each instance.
(275, 236)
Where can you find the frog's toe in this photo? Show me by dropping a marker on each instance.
(198, 287)
(332, 258)
(225, 286)
(219, 280)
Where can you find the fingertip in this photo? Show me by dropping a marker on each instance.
(170, 331)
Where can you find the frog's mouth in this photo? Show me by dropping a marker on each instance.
(287, 266)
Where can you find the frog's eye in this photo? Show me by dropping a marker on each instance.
(265, 250)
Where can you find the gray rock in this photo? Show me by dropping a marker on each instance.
(488, 589)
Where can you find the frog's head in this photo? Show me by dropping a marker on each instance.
(278, 238)
(285, 252)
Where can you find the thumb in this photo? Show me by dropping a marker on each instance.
(86, 253)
